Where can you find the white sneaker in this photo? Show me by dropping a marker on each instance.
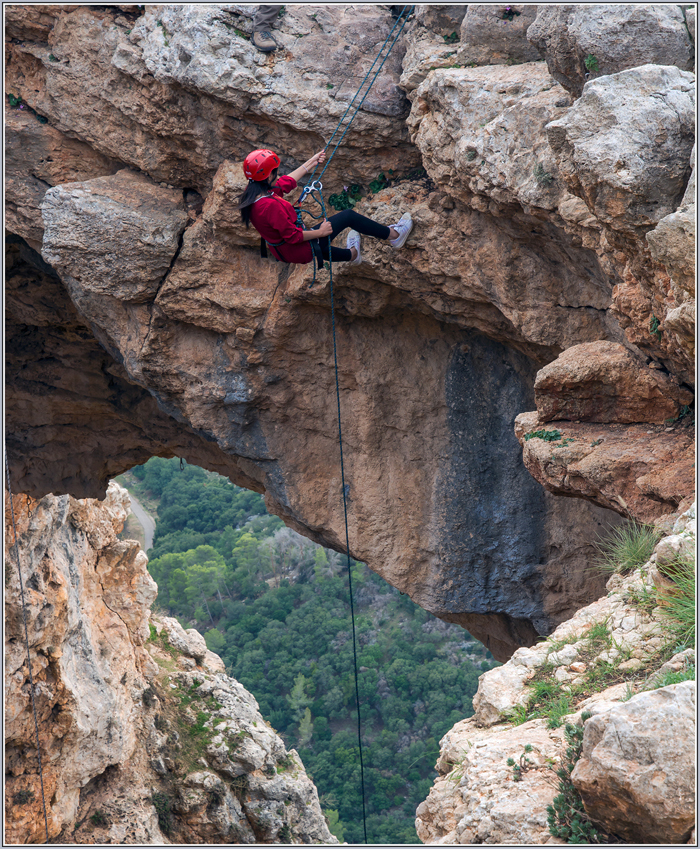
(354, 242)
(403, 228)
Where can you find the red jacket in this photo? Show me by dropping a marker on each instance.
(276, 221)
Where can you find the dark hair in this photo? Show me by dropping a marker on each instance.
(254, 189)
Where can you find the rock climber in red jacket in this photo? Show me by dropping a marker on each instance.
(263, 206)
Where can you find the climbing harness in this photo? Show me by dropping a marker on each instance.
(314, 188)
(26, 639)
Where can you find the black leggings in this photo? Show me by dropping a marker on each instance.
(348, 218)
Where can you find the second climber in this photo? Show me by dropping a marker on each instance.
(262, 205)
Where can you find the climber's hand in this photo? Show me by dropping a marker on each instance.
(318, 158)
(326, 229)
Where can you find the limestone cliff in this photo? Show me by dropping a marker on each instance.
(554, 212)
(143, 738)
(604, 670)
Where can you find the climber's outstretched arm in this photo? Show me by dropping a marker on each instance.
(301, 172)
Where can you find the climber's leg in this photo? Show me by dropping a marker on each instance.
(349, 218)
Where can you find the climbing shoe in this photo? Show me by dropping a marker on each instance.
(354, 242)
(403, 228)
(264, 41)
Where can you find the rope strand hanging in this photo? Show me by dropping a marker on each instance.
(405, 11)
(314, 188)
(26, 639)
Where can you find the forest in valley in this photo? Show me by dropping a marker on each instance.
(275, 606)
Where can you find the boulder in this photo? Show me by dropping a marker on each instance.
(501, 690)
(672, 241)
(606, 382)
(672, 547)
(440, 19)
(190, 642)
(489, 36)
(475, 798)
(624, 146)
(38, 156)
(465, 122)
(640, 471)
(117, 235)
(636, 774)
(583, 42)
(197, 645)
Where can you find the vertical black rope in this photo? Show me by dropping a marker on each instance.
(26, 639)
(347, 546)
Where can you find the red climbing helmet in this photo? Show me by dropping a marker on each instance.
(259, 164)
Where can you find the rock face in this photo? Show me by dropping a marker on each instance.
(532, 208)
(635, 766)
(119, 761)
(643, 472)
(635, 771)
(604, 382)
(580, 44)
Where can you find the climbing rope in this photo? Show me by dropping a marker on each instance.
(314, 189)
(347, 548)
(26, 639)
(405, 11)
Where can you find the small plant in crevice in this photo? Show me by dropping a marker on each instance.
(239, 785)
(99, 819)
(452, 38)
(379, 183)
(685, 410)
(509, 13)
(162, 803)
(523, 765)
(22, 797)
(16, 102)
(566, 816)
(166, 34)
(654, 324)
(285, 834)
(544, 435)
(284, 764)
(543, 177)
(347, 198)
(591, 64)
(626, 548)
(671, 677)
(149, 697)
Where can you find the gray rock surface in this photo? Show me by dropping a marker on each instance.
(582, 42)
(672, 241)
(464, 122)
(443, 19)
(625, 144)
(92, 227)
(489, 37)
(636, 773)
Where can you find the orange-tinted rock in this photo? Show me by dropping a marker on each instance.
(605, 382)
(640, 472)
(106, 709)
(38, 156)
(439, 343)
